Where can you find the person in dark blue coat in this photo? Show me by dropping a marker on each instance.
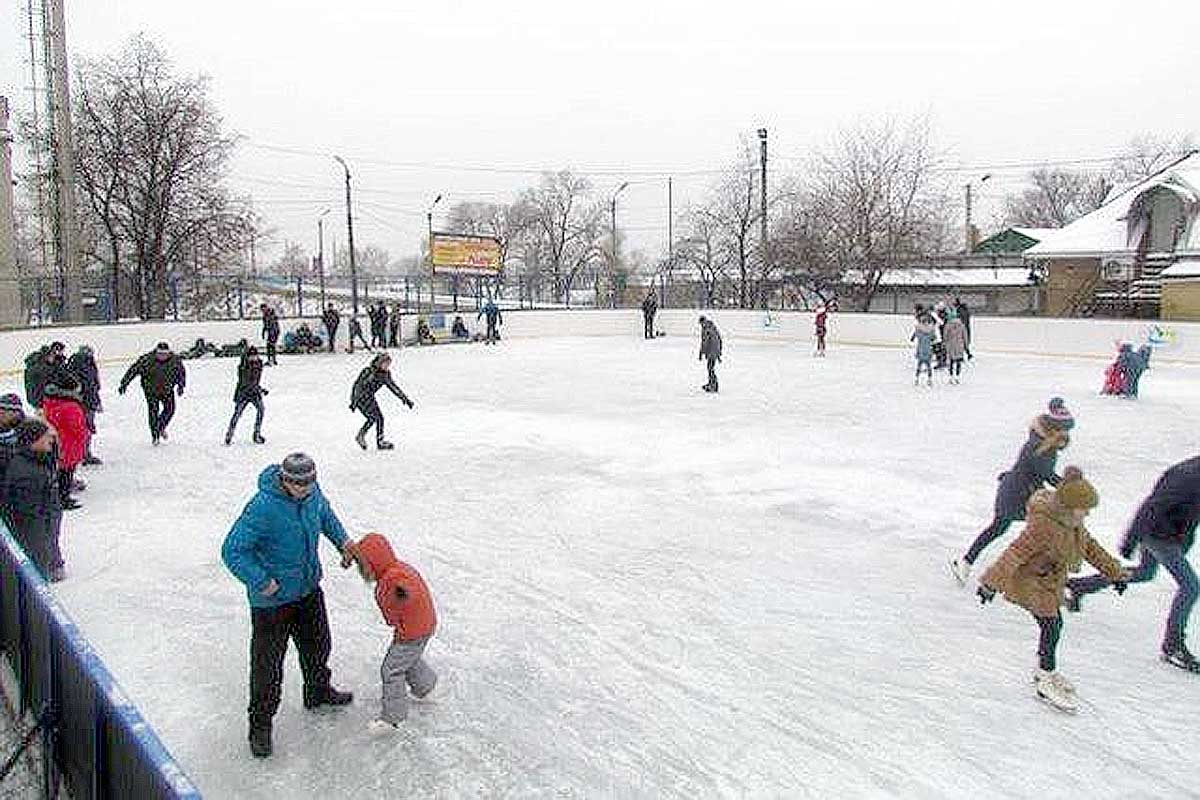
(494, 319)
(272, 549)
(270, 332)
(1048, 436)
(1164, 527)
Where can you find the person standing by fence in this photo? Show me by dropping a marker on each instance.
(161, 372)
(82, 364)
(30, 499)
(272, 550)
(270, 332)
(332, 319)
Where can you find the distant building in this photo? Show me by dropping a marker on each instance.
(1012, 240)
(1119, 260)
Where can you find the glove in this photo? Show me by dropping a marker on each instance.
(121, 390)
(271, 588)
(264, 391)
(1120, 586)
(350, 554)
(401, 593)
(179, 391)
(352, 406)
(410, 404)
(986, 594)
(1127, 548)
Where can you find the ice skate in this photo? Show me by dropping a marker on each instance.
(91, 461)
(1071, 601)
(1179, 656)
(384, 444)
(1051, 688)
(258, 438)
(361, 439)
(961, 571)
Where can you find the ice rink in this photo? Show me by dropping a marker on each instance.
(645, 590)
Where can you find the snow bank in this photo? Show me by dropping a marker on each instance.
(1042, 336)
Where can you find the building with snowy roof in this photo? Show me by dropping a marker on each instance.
(1135, 256)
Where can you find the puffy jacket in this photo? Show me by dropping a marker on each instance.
(83, 366)
(1172, 511)
(370, 381)
(400, 590)
(65, 412)
(710, 340)
(159, 377)
(276, 537)
(249, 377)
(1034, 468)
(954, 334)
(1033, 571)
(39, 373)
(31, 504)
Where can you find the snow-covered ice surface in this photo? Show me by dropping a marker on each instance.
(645, 590)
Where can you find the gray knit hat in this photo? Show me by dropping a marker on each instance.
(11, 402)
(298, 468)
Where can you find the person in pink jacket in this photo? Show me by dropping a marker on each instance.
(63, 406)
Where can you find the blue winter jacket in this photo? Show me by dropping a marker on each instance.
(276, 537)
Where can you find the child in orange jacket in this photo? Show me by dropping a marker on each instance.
(406, 605)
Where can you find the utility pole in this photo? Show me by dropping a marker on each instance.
(969, 233)
(766, 253)
(616, 256)
(39, 173)
(321, 254)
(662, 294)
(10, 283)
(66, 257)
(429, 243)
(350, 240)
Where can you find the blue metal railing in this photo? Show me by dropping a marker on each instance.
(93, 736)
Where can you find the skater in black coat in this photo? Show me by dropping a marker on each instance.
(356, 332)
(248, 392)
(362, 398)
(82, 364)
(161, 372)
(46, 365)
(710, 350)
(649, 309)
(1164, 527)
(270, 331)
(332, 319)
(30, 499)
(394, 327)
(1048, 436)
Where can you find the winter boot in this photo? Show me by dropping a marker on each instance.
(78, 485)
(961, 570)
(384, 444)
(1053, 689)
(1178, 656)
(258, 438)
(260, 741)
(1071, 600)
(70, 504)
(361, 438)
(326, 696)
(91, 461)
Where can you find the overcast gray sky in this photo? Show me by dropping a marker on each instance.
(649, 86)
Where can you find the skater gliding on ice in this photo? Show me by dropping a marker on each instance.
(710, 351)
(272, 550)
(406, 605)
(820, 329)
(270, 331)
(161, 372)
(1164, 527)
(1033, 571)
(374, 376)
(248, 392)
(1049, 434)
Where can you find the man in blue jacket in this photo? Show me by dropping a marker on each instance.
(272, 548)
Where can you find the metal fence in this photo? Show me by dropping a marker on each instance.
(93, 737)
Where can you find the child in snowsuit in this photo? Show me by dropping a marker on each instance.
(1033, 571)
(1048, 435)
(822, 313)
(63, 407)
(923, 336)
(406, 605)
(1164, 527)
(374, 376)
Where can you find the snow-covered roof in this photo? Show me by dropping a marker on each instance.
(930, 276)
(1106, 231)
(1184, 268)
(1036, 233)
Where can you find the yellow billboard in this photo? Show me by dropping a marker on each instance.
(462, 254)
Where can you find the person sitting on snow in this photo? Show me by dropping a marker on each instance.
(459, 329)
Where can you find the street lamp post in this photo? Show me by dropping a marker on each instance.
(766, 247)
(350, 239)
(969, 234)
(615, 254)
(432, 295)
(321, 254)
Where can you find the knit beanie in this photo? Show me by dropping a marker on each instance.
(11, 402)
(1075, 491)
(29, 431)
(1060, 416)
(298, 468)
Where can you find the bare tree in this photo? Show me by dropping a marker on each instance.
(153, 159)
(565, 228)
(733, 211)
(701, 250)
(878, 199)
(1056, 198)
(293, 262)
(1146, 154)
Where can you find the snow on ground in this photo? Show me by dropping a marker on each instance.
(645, 590)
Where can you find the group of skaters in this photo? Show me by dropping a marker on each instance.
(941, 333)
(1034, 570)
(1125, 373)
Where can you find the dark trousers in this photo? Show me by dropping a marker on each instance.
(1051, 629)
(304, 622)
(1171, 556)
(66, 477)
(370, 410)
(712, 372)
(332, 331)
(358, 334)
(648, 332)
(493, 334)
(377, 336)
(394, 334)
(820, 341)
(240, 406)
(989, 534)
(955, 367)
(159, 411)
(272, 341)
